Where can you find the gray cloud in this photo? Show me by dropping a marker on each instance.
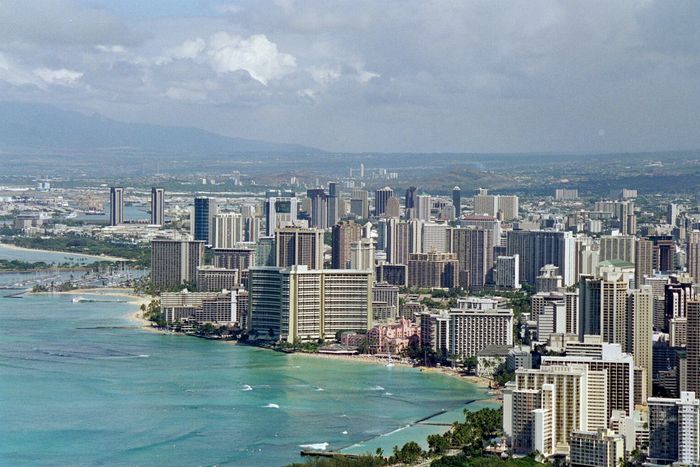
(376, 76)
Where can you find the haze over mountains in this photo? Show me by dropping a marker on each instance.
(36, 128)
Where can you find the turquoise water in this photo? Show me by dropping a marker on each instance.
(79, 385)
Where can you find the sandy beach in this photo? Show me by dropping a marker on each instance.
(67, 253)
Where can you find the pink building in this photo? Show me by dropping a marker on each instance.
(394, 337)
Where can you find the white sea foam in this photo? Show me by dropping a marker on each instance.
(272, 406)
(396, 430)
(320, 389)
(143, 355)
(376, 388)
(316, 446)
(247, 387)
(345, 432)
(388, 394)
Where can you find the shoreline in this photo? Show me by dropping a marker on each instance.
(10, 246)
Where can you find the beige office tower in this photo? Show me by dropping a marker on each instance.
(640, 304)
(434, 237)
(693, 254)
(603, 307)
(359, 203)
(343, 235)
(228, 230)
(508, 206)
(643, 260)
(393, 208)
(617, 247)
(362, 255)
(570, 395)
(693, 348)
(485, 204)
(316, 304)
(473, 248)
(423, 207)
(175, 261)
(299, 246)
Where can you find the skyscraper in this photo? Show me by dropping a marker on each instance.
(474, 250)
(333, 204)
(359, 203)
(228, 230)
(157, 206)
(319, 207)
(693, 346)
(116, 205)
(299, 246)
(457, 200)
(640, 305)
(423, 207)
(693, 254)
(381, 196)
(540, 247)
(410, 202)
(174, 262)
(204, 212)
(280, 211)
(343, 235)
(643, 260)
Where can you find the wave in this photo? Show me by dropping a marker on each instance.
(272, 406)
(247, 387)
(345, 432)
(376, 388)
(388, 394)
(320, 389)
(316, 446)
(396, 430)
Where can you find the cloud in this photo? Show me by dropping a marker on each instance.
(60, 76)
(257, 55)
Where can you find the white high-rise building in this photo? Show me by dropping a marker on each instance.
(640, 306)
(508, 272)
(228, 230)
(423, 207)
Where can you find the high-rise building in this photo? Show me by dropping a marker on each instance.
(423, 207)
(602, 448)
(381, 196)
(333, 204)
(299, 246)
(174, 262)
(362, 255)
(617, 247)
(474, 251)
(537, 248)
(457, 201)
(692, 250)
(319, 208)
(228, 230)
(603, 307)
(563, 194)
(640, 306)
(693, 346)
(507, 272)
(359, 203)
(434, 237)
(280, 211)
(157, 206)
(618, 365)
(471, 331)
(265, 253)
(674, 429)
(214, 279)
(116, 205)
(508, 206)
(204, 211)
(485, 204)
(343, 235)
(234, 258)
(643, 260)
(672, 211)
(428, 270)
(393, 208)
(410, 202)
(298, 303)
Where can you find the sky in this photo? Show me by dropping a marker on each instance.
(368, 75)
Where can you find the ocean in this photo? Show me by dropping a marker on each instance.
(81, 384)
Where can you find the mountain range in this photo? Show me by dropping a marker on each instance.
(35, 128)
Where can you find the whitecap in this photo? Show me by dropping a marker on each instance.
(143, 355)
(247, 387)
(396, 430)
(376, 388)
(320, 389)
(388, 394)
(345, 432)
(316, 446)
(272, 406)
